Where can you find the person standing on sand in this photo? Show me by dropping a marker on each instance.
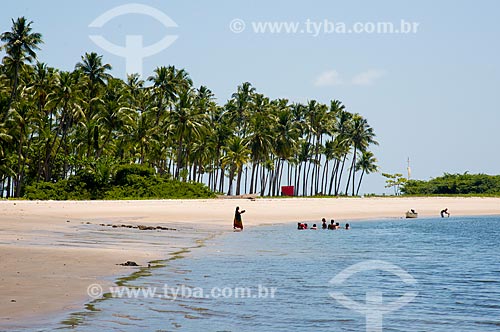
(237, 223)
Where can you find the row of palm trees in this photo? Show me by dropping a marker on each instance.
(55, 123)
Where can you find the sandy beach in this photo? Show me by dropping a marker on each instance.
(50, 252)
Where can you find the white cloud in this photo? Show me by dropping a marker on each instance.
(328, 78)
(367, 77)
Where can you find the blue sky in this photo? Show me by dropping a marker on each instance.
(432, 96)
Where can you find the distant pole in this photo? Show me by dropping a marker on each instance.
(409, 169)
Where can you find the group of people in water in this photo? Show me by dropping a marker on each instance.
(332, 225)
(238, 223)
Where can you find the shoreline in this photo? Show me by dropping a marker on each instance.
(50, 251)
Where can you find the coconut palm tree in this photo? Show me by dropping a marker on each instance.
(66, 97)
(260, 142)
(340, 149)
(186, 124)
(285, 142)
(92, 67)
(237, 155)
(240, 106)
(133, 91)
(343, 124)
(216, 139)
(42, 80)
(361, 136)
(168, 82)
(164, 90)
(66, 122)
(20, 45)
(96, 77)
(5, 146)
(367, 164)
(115, 118)
(19, 119)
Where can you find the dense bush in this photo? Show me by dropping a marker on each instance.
(128, 182)
(125, 173)
(455, 184)
(157, 187)
(71, 189)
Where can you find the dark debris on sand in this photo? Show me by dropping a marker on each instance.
(141, 227)
(129, 263)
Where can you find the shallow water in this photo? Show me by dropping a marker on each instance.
(455, 264)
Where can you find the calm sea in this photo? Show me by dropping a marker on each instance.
(276, 278)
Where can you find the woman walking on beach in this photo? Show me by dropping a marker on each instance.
(237, 218)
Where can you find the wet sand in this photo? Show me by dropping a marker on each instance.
(50, 252)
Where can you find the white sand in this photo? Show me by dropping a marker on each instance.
(47, 263)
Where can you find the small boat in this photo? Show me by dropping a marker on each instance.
(411, 214)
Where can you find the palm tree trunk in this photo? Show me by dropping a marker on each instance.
(179, 157)
(281, 174)
(246, 179)
(333, 176)
(263, 181)
(304, 180)
(323, 178)
(14, 86)
(9, 183)
(96, 140)
(275, 177)
(252, 178)
(238, 181)
(360, 179)
(354, 171)
(221, 180)
(231, 176)
(340, 176)
(298, 169)
(289, 170)
(270, 178)
(17, 192)
(351, 170)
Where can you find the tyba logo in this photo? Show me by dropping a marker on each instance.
(134, 51)
(374, 309)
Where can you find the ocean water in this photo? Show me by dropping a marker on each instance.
(277, 278)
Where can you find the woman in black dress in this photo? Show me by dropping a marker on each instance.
(237, 223)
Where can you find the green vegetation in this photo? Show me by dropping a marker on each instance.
(394, 181)
(129, 182)
(455, 184)
(63, 134)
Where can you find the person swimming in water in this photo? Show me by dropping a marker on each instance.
(347, 226)
(238, 223)
(324, 225)
(445, 211)
(332, 224)
(314, 227)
